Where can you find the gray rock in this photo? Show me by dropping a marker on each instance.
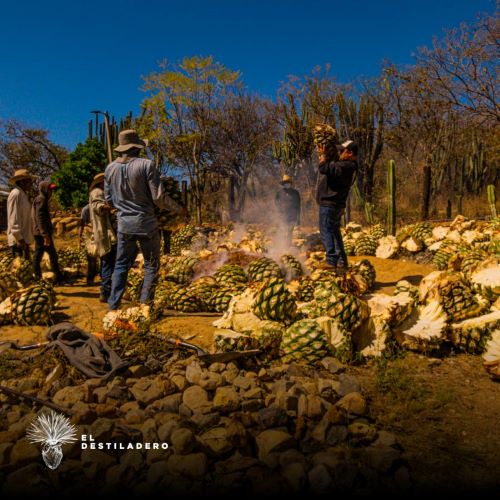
(23, 452)
(244, 383)
(146, 391)
(161, 455)
(348, 384)
(229, 375)
(295, 474)
(68, 396)
(286, 401)
(182, 441)
(315, 407)
(130, 405)
(254, 393)
(292, 457)
(217, 367)
(148, 429)
(386, 439)
(216, 441)
(99, 458)
(328, 389)
(82, 413)
(333, 365)
(281, 386)
(156, 472)
(169, 404)
(102, 429)
(226, 399)
(331, 458)
(194, 372)
(14, 415)
(204, 420)
(193, 466)
(352, 404)
(272, 417)
(138, 371)
(210, 381)
(107, 409)
(336, 434)
(252, 405)
(320, 479)
(180, 382)
(132, 459)
(195, 397)
(272, 441)
(299, 370)
(361, 433)
(165, 430)
(135, 417)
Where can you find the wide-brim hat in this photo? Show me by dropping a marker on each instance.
(20, 175)
(96, 180)
(129, 139)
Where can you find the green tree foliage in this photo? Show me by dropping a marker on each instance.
(76, 173)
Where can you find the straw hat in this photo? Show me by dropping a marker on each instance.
(96, 180)
(129, 139)
(20, 175)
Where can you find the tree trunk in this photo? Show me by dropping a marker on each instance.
(426, 192)
(368, 184)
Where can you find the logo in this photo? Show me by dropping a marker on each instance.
(52, 430)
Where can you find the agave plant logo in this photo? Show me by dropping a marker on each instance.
(52, 430)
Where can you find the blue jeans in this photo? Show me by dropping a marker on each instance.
(125, 255)
(107, 268)
(329, 227)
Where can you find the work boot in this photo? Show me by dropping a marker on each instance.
(325, 266)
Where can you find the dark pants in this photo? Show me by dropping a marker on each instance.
(167, 234)
(92, 268)
(17, 251)
(125, 255)
(107, 268)
(329, 227)
(40, 249)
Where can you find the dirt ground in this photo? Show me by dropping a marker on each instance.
(445, 412)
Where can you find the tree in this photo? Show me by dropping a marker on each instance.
(75, 175)
(462, 68)
(241, 137)
(26, 147)
(180, 110)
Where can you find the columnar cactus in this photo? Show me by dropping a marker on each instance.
(391, 191)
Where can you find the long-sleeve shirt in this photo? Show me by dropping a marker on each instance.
(102, 226)
(19, 224)
(334, 182)
(287, 200)
(42, 222)
(132, 186)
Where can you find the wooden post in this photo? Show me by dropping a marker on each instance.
(90, 130)
(185, 194)
(108, 137)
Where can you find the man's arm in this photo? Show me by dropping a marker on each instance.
(107, 187)
(41, 217)
(160, 197)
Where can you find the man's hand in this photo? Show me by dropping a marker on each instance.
(106, 207)
(321, 152)
(46, 240)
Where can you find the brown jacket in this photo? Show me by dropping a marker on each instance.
(42, 224)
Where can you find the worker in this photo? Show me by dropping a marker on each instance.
(288, 202)
(86, 238)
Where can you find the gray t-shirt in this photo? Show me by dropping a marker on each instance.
(131, 186)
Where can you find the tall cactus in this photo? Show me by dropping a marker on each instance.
(391, 192)
(492, 200)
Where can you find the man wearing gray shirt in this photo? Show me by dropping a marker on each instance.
(132, 186)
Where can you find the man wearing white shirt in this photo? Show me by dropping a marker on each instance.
(19, 224)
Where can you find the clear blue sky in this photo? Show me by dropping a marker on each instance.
(61, 59)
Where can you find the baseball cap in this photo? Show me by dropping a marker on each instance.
(349, 145)
(52, 186)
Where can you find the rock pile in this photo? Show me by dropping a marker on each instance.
(288, 428)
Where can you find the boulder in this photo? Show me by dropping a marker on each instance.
(216, 441)
(193, 466)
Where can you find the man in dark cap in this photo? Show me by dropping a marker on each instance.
(288, 202)
(335, 179)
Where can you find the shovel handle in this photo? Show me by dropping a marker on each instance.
(181, 343)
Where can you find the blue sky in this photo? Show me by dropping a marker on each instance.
(61, 59)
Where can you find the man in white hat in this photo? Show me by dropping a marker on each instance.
(132, 186)
(19, 225)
